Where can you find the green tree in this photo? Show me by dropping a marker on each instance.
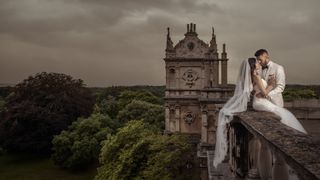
(2, 105)
(107, 106)
(39, 108)
(150, 113)
(5, 91)
(79, 145)
(139, 151)
(291, 94)
(115, 91)
(111, 105)
(127, 96)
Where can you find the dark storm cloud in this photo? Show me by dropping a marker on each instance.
(122, 42)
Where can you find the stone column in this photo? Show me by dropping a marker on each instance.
(224, 66)
(280, 169)
(203, 80)
(204, 126)
(253, 152)
(178, 76)
(231, 146)
(215, 72)
(265, 161)
(177, 118)
(224, 73)
(172, 120)
(167, 118)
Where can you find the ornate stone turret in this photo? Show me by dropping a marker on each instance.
(214, 79)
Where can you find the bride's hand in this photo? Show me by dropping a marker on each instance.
(272, 81)
(260, 95)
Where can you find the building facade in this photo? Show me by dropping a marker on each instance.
(196, 85)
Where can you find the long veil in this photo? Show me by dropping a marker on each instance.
(237, 103)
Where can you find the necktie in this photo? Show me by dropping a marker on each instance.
(265, 67)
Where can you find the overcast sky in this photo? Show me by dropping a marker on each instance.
(122, 42)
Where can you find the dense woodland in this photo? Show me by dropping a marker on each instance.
(117, 129)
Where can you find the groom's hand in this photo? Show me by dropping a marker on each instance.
(272, 81)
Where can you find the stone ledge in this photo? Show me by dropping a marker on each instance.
(298, 149)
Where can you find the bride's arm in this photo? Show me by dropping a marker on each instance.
(258, 81)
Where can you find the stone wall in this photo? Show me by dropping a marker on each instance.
(308, 113)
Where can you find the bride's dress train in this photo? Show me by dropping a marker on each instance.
(280, 168)
(287, 118)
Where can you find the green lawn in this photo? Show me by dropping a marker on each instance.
(31, 167)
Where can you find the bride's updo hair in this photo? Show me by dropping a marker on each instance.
(252, 63)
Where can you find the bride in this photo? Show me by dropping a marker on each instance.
(248, 80)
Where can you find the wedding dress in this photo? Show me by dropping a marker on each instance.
(263, 104)
(238, 103)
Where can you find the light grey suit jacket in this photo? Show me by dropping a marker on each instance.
(278, 71)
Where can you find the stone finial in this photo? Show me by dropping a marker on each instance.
(169, 41)
(224, 52)
(213, 43)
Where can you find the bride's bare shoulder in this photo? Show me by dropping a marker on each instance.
(256, 77)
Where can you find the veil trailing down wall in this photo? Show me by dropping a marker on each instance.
(237, 103)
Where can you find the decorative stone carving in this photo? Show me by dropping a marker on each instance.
(204, 108)
(190, 76)
(189, 117)
(190, 46)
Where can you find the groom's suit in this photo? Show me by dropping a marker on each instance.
(279, 168)
(278, 71)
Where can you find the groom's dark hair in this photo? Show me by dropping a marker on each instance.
(260, 52)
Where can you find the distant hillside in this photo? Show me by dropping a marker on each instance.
(6, 85)
(158, 91)
(114, 90)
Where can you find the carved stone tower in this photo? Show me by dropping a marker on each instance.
(196, 85)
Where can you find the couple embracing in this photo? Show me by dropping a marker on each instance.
(265, 80)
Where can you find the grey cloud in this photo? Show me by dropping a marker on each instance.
(123, 42)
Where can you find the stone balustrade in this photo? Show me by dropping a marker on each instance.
(260, 147)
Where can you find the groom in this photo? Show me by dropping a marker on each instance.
(272, 73)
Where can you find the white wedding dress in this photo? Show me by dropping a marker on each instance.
(263, 104)
(238, 103)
